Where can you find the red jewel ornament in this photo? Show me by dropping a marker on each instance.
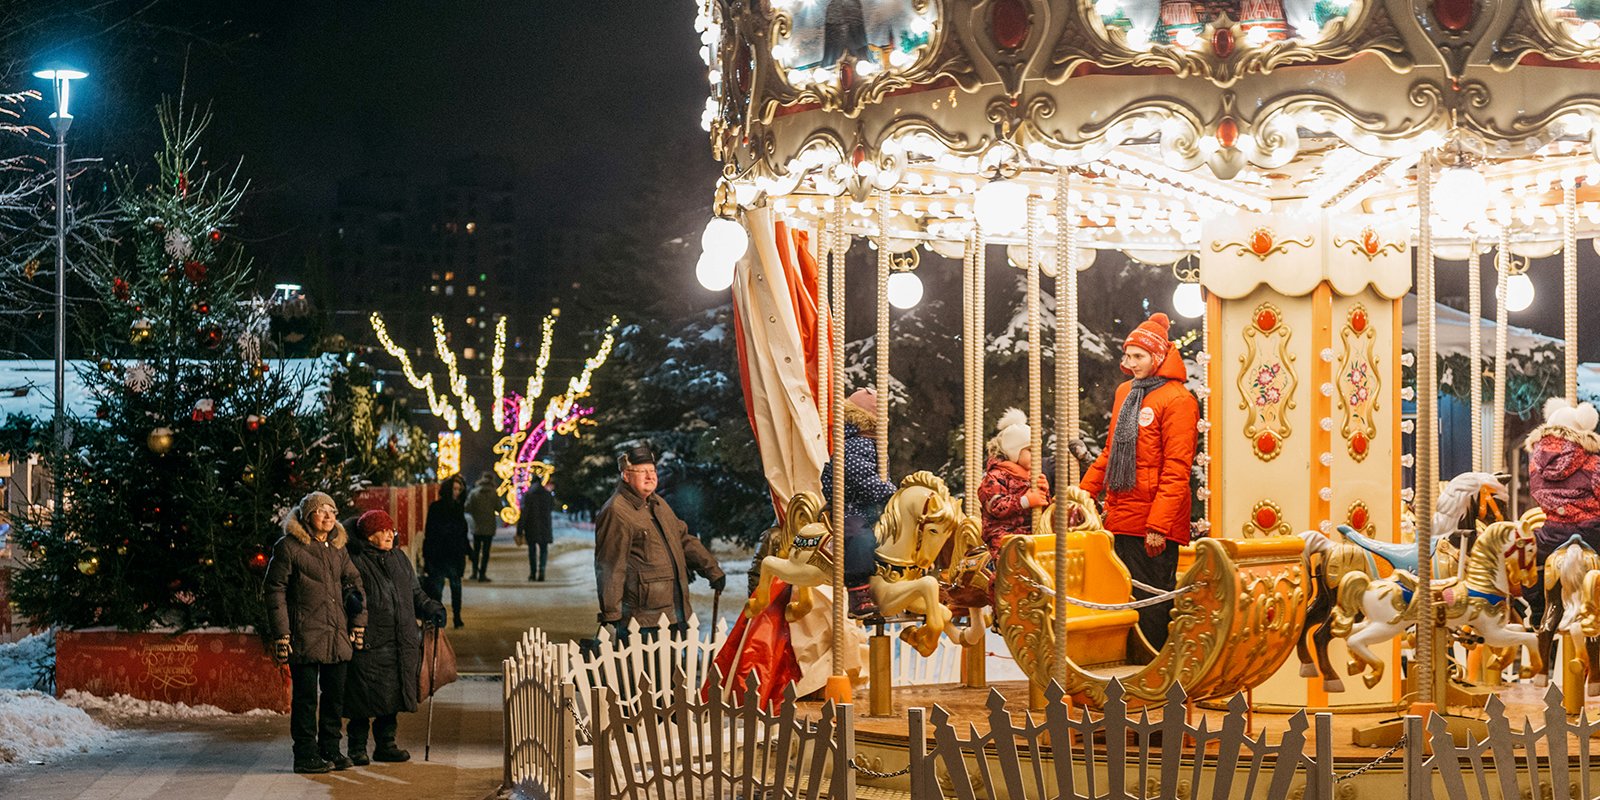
(195, 271)
(1261, 238)
(1266, 517)
(1358, 320)
(1222, 42)
(1009, 21)
(1358, 518)
(1359, 445)
(1267, 444)
(1455, 15)
(1228, 136)
(1266, 320)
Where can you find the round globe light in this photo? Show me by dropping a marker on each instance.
(725, 239)
(905, 290)
(1519, 292)
(1460, 195)
(1188, 300)
(716, 274)
(1001, 206)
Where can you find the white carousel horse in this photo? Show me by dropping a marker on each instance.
(1502, 561)
(801, 556)
(1574, 568)
(919, 520)
(1325, 563)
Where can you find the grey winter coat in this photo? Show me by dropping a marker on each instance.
(483, 505)
(642, 557)
(306, 587)
(384, 677)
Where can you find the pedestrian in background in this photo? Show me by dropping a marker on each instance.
(533, 527)
(317, 615)
(483, 505)
(384, 678)
(444, 544)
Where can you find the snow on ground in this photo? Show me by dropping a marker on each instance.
(23, 662)
(35, 728)
(121, 706)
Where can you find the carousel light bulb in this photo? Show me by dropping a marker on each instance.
(714, 273)
(725, 240)
(1460, 194)
(1001, 206)
(904, 290)
(1188, 300)
(1519, 292)
(1588, 31)
(1186, 37)
(1256, 36)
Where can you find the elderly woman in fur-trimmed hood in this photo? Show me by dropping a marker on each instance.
(317, 613)
(1564, 474)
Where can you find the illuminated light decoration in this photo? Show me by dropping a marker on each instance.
(438, 404)
(1001, 206)
(562, 405)
(458, 382)
(1519, 292)
(1188, 300)
(536, 380)
(449, 454)
(904, 290)
(519, 465)
(1461, 194)
(497, 364)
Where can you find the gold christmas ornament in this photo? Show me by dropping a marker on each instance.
(89, 566)
(249, 476)
(141, 331)
(160, 440)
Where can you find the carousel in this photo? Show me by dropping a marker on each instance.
(1306, 165)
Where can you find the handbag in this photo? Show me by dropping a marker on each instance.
(436, 674)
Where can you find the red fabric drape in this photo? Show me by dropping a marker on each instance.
(764, 651)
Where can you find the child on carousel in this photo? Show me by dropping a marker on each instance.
(1006, 496)
(864, 496)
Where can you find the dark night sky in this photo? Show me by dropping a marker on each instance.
(577, 92)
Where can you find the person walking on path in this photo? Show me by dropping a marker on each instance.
(483, 505)
(1145, 467)
(385, 677)
(317, 616)
(445, 546)
(643, 553)
(533, 528)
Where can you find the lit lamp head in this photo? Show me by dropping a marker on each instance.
(904, 290)
(723, 243)
(1460, 194)
(1001, 205)
(61, 79)
(1519, 292)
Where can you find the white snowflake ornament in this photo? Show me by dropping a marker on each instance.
(178, 245)
(139, 377)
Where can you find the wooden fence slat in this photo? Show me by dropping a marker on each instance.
(1172, 730)
(844, 755)
(1446, 757)
(1288, 750)
(950, 751)
(923, 784)
(1229, 737)
(1320, 774)
(1058, 724)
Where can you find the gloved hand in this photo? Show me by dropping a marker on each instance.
(1036, 497)
(358, 638)
(1154, 543)
(439, 618)
(719, 583)
(281, 650)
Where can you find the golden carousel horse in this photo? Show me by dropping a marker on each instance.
(920, 522)
(1501, 562)
(1572, 607)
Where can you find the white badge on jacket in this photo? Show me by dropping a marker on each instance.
(1147, 415)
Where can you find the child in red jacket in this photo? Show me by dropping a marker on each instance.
(1144, 469)
(1005, 495)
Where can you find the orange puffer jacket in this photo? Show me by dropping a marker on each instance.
(1160, 498)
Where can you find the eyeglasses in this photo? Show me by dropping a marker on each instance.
(641, 470)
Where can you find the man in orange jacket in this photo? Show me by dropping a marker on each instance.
(1144, 469)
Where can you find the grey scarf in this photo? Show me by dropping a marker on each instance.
(1124, 466)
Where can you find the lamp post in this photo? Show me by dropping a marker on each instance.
(61, 79)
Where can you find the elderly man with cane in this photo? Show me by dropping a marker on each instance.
(643, 553)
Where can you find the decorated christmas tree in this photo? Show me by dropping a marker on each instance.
(174, 486)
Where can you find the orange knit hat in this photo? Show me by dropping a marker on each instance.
(1151, 336)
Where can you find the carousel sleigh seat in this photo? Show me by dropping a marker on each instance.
(1094, 637)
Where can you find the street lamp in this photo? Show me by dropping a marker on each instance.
(61, 79)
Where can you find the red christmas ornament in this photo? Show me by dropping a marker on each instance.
(120, 290)
(211, 335)
(215, 235)
(204, 308)
(183, 184)
(258, 561)
(253, 423)
(195, 271)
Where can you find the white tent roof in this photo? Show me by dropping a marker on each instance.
(1455, 326)
(28, 386)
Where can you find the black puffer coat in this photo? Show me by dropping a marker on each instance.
(444, 540)
(307, 587)
(383, 678)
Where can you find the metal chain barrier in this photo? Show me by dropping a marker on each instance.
(874, 774)
(1373, 763)
(1148, 601)
(577, 721)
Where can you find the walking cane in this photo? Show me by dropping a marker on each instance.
(716, 600)
(433, 669)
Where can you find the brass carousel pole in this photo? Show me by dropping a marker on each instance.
(1066, 367)
(1425, 462)
(1035, 360)
(972, 433)
(824, 336)
(1503, 263)
(838, 683)
(1569, 285)
(1475, 351)
(881, 345)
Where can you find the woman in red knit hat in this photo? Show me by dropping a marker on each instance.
(1144, 469)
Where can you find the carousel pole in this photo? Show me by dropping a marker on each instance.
(1035, 362)
(1066, 369)
(1569, 285)
(1475, 351)
(838, 689)
(881, 346)
(824, 338)
(1427, 429)
(969, 354)
(1497, 456)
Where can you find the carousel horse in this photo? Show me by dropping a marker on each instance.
(1502, 560)
(1326, 561)
(799, 552)
(1574, 568)
(917, 523)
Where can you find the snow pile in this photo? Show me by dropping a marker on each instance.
(35, 727)
(121, 705)
(23, 663)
